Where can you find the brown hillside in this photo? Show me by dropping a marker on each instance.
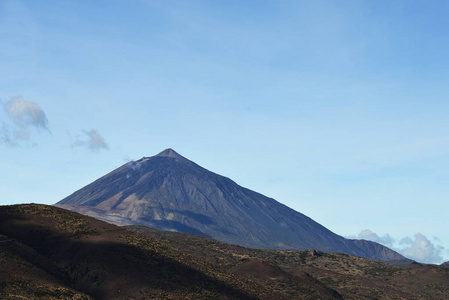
(51, 253)
(330, 275)
(47, 252)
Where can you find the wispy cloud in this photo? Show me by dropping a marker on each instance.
(134, 165)
(5, 136)
(22, 116)
(92, 140)
(26, 113)
(385, 240)
(418, 247)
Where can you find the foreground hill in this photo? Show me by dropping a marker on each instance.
(170, 192)
(51, 253)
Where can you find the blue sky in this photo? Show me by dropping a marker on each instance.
(338, 109)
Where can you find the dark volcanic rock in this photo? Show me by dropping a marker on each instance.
(169, 192)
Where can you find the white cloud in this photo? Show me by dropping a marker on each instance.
(421, 249)
(23, 116)
(93, 141)
(385, 240)
(26, 113)
(418, 248)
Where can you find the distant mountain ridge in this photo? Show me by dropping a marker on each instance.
(170, 192)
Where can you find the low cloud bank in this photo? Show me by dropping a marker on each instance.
(418, 247)
(421, 249)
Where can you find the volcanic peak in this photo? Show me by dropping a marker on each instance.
(171, 154)
(171, 192)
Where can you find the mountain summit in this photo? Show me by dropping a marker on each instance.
(169, 152)
(170, 192)
(172, 154)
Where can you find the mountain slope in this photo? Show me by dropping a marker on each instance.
(169, 192)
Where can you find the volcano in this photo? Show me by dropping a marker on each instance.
(169, 192)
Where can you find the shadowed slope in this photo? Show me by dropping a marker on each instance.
(72, 253)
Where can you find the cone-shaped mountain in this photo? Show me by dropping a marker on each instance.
(170, 192)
